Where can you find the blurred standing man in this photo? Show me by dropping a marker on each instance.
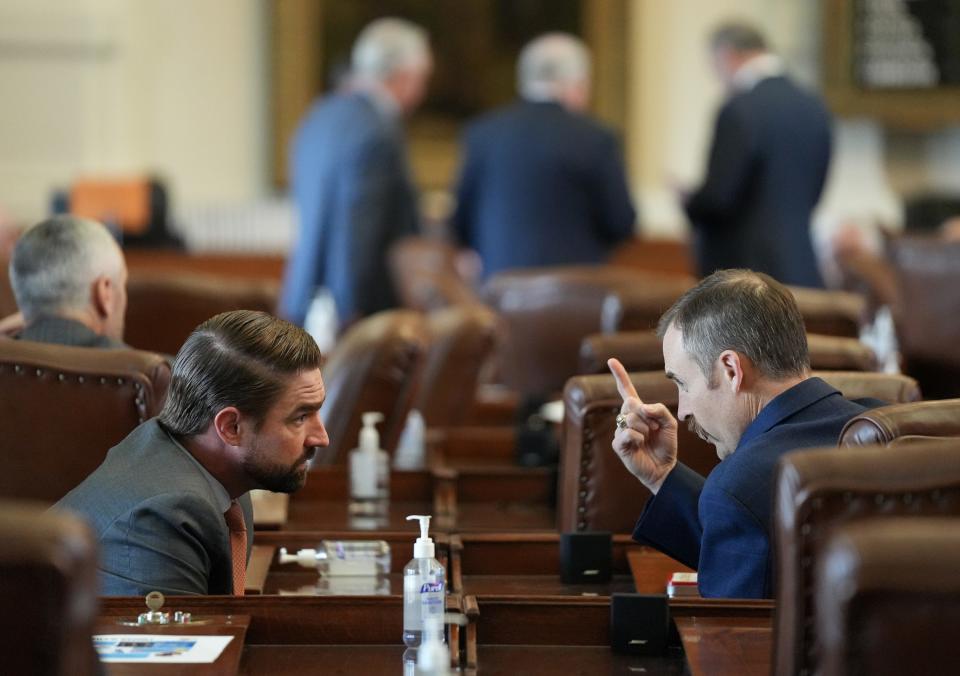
(350, 178)
(767, 166)
(542, 184)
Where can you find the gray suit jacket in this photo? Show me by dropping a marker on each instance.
(159, 518)
(62, 331)
(355, 198)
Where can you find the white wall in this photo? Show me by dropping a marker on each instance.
(175, 87)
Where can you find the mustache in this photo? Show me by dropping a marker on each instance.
(306, 457)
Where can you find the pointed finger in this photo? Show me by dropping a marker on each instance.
(624, 385)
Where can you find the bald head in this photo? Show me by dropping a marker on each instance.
(555, 67)
(64, 266)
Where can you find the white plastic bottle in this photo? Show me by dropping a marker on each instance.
(423, 587)
(411, 451)
(369, 466)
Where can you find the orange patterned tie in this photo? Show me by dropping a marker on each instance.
(238, 545)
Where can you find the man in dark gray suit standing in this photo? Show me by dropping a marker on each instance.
(170, 504)
(543, 184)
(766, 169)
(350, 178)
(69, 277)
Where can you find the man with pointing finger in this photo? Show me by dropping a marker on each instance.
(736, 347)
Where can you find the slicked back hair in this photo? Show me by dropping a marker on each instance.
(241, 358)
(744, 311)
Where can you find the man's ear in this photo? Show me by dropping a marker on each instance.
(227, 425)
(103, 292)
(732, 370)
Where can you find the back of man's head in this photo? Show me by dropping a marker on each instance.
(56, 262)
(552, 65)
(744, 311)
(240, 358)
(386, 46)
(737, 36)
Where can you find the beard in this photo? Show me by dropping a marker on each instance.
(694, 427)
(273, 477)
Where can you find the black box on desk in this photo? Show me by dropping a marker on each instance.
(586, 558)
(639, 624)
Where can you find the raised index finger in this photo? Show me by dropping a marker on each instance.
(624, 386)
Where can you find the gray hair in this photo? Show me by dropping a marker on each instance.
(387, 45)
(55, 263)
(549, 63)
(744, 311)
(737, 36)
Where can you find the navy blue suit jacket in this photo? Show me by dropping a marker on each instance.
(767, 166)
(721, 525)
(541, 186)
(354, 197)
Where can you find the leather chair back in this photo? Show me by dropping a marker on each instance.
(462, 339)
(62, 409)
(890, 583)
(832, 313)
(162, 309)
(48, 589)
(938, 418)
(597, 493)
(425, 274)
(818, 490)
(643, 351)
(548, 312)
(928, 315)
(375, 366)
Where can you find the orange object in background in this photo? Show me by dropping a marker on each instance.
(121, 202)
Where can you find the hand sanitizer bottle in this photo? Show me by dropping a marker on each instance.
(423, 587)
(411, 450)
(369, 468)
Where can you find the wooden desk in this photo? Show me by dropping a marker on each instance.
(727, 645)
(651, 570)
(221, 625)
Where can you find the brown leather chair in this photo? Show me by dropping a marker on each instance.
(548, 312)
(938, 418)
(927, 317)
(48, 591)
(462, 339)
(597, 493)
(832, 313)
(162, 310)
(642, 351)
(888, 598)
(375, 366)
(818, 490)
(62, 409)
(425, 274)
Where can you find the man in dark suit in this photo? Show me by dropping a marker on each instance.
(350, 179)
(766, 168)
(736, 347)
(542, 184)
(69, 277)
(170, 504)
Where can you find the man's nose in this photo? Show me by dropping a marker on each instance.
(317, 437)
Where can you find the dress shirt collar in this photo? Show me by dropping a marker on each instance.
(756, 69)
(786, 404)
(222, 496)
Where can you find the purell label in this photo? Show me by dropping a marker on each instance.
(431, 587)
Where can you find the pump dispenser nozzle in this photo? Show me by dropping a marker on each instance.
(369, 436)
(423, 548)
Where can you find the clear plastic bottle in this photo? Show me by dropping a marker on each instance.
(423, 587)
(335, 558)
(369, 470)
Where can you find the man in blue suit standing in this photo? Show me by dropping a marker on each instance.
(350, 178)
(766, 169)
(736, 347)
(541, 183)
